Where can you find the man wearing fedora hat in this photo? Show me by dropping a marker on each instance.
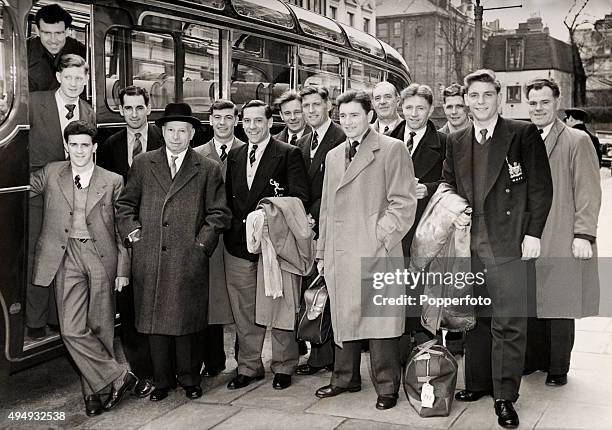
(576, 118)
(171, 213)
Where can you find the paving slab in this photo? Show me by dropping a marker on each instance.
(191, 416)
(576, 415)
(593, 324)
(266, 419)
(220, 394)
(351, 424)
(481, 414)
(591, 361)
(597, 342)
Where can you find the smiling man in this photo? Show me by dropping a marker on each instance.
(290, 109)
(385, 101)
(500, 167)
(455, 109)
(265, 167)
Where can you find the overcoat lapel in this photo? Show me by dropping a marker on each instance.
(51, 113)
(269, 159)
(66, 185)
(501, 140)
(189, 168)
(161, 170)
(306, 151)
(553, 136)
(425, 157)
(95, 191)
(463, 155)
(364, 156)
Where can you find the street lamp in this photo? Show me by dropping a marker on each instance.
(478, 9)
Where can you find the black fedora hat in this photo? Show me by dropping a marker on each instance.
(178, 112)
(578, 114)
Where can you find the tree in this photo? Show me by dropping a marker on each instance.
(459, 37)
(572, 21)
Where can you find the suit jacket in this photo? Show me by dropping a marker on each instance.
(594, 140)
(511, 209)
(427, 160)
(42, 66)
(219, 309)
(316, 168)
(54, 182)
(283, 136)
(280, 163)
(112, 154)
(180, 222)
(46, 139)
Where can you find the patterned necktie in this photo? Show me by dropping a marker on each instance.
(77, 182)
(410, 142)
(223, 155)
(293, 139)
(173, 159)
(137, 145)
(315, 141)
(252, 155)
(483, 136)
(386, 130)
(353, 150)
(70, 108)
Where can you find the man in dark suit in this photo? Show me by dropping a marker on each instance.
(223, 119)
(49, 113)
(290, 108)
(79, 220)
(329, 135)
(117, 154)
(46, 50)
(576, 118)
(263, 168)
(172, 211)
(385, 101)
(500, 166)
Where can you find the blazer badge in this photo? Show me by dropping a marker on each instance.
(278, 190)
(516, 171)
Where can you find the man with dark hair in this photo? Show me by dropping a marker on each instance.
(45, 51)
(568, 283)
(265, 167)
(223, 120)
(92, 261)
(385, 100)
(576, 118)
(117, 154)
(49, 114)
(500, 167)
(367, 206)
(455, 110)
(325, 136)
(290, 109)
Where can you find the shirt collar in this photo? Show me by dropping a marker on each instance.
(417, 137)
(490, 129)
(218, 145)
(361, 137)
(546, 130)
(391, 125)
(180, 155)
(298, 135)
(144, 131)
(323, 129)
(261, 146)
(84, 177)
(61, 100)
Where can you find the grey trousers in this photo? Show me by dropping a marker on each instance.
(86, 315)
(241, 276)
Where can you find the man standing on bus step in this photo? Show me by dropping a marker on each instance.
(223, 120)
(317, 106)
(385, 100)
(568, 281)
(576, 118)
(265, 167)
(81, 248)
(290, 109)
(500, 167)
(117, 154)
(45, 51)
(455, 110)
(49, 114)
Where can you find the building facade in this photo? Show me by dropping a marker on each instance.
(595, 47)
(360, 14)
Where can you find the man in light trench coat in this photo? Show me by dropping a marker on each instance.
(367, 206)
(567, 276)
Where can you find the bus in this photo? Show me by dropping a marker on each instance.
(193, 51)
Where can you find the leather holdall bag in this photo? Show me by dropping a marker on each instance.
(314, 318)
(430, 379)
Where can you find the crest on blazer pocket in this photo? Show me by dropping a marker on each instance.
(278, 190)
(515, 171)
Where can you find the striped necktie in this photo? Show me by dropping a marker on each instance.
(252, 155)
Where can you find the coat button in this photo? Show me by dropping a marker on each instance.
(70, 212)
(164, 248)
(244, 221)
(65, 230)
(507, 190)
(165, 224)
(63, 247)
(507, 212)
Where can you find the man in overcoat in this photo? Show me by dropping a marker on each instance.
(172, 212)
(567, 275)
(223, 120)
(500, 167)
(367, 206)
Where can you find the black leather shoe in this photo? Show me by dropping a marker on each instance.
(470, 396)
(333, 390)
(143, 388)
(281, 381)
(242, 381)
(193, 392)
(212, 371)
(506, 415)
(556, 380)
(93, 405)
(307, 369)
(385, 402)
(158, 394)
(129, 382)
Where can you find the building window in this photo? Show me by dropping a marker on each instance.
(397, 28)
(440, 57)
(366, 25)
(383, 30)
(514, 54)
(351, 19)
(333, 11)
(513, 94)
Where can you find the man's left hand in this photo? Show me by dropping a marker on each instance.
(582, 249)
(530, 247)
(120, 282)
(421, 191)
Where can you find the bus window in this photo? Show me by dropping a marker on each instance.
(397, 81)
(363, 76)
(320, 69)
(201, 75)
(261, 68)
(6, 64)
(151, 65)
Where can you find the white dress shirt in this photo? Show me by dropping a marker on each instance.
(297, 135)
(61, 109)
(546, 130)
(416, 139)
(218, 146)
(179, 160)
(252, 170)
(320, 135)
(84, 177)
(490, 130)
(391, 125)
(131, 141)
